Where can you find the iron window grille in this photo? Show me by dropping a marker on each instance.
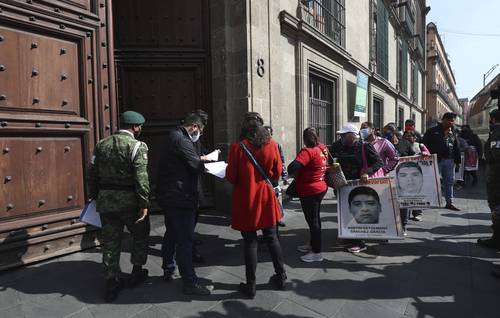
(321, 107)
(327, 16)
(381, 26)
(377, 116)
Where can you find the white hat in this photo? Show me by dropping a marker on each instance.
(348, 128)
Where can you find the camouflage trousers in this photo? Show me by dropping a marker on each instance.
(111, 240)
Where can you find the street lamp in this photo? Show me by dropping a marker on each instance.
(485, 75)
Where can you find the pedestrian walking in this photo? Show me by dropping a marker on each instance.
(254, 168)
(442, 140)
(177, 193)
(309, 169)
(119, 181)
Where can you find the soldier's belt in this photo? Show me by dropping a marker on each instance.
(116, 187)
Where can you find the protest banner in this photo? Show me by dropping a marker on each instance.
(369, 210)
(417, 182)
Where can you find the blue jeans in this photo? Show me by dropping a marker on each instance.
(447, 171)
(178, 243)
(404, 214)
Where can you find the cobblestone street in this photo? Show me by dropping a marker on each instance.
(437, 271)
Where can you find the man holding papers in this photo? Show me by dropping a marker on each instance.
(119, 182)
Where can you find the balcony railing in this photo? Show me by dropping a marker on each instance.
(327, 16)
(407, 19)
(445, 94)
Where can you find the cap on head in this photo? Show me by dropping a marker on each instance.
(132, 118)
(449, 115)
(495, 114)
(348, 128)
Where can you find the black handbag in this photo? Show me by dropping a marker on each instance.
(291, 191)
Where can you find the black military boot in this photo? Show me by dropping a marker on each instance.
(197, 289)
(138, 276)
(113, 288)
(248, 289)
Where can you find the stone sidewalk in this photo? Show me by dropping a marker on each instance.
(438, 271)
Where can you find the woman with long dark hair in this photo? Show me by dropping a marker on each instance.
(254, 203)
(309, 170)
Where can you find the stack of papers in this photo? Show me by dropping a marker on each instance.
(218, 168)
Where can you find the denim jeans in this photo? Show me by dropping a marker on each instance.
(178, 243)
(447, 171)
(251, 244)
(404, 213)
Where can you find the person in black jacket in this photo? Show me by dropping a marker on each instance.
(443, 141)
(177, 194)
(348, 152)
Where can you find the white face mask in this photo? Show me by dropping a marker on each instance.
(364, 132)
(196, 136)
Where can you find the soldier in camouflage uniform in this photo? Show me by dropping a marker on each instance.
(119, 182)
(492, 155)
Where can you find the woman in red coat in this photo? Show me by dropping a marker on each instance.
(254, 203)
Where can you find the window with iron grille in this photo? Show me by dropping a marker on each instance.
(381, 21)
(321, 107)
(401, 117)
(403, 66)
(377, 111)
(327, 16)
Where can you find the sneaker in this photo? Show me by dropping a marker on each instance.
(304, 248)
(452, 207)
(312, 257)
(113, 288)
(417, 218)
(138, 276)
(197, 289)
(357, 248)
(405, 233)
(169, 275)
(281, 224)
(278, 281)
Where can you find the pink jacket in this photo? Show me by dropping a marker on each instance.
(387, 153)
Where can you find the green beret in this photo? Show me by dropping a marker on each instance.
(132, 118)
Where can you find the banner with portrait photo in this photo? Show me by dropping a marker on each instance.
(417, 182)
(369, 210)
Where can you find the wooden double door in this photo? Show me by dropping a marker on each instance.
(67, 69)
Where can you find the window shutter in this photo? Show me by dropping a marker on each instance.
(404, 68)
(382, 40)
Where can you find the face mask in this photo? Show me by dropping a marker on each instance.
(364, 132)
(195, 136)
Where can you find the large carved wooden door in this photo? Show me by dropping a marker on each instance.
(163, 65)
(56, 101)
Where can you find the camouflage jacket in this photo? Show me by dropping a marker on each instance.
(118, 175)
(492, 155)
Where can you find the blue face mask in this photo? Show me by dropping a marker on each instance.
(364, 133)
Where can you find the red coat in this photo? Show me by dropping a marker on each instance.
(254, 205)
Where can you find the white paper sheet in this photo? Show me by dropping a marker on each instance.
(218, 168)
(213, 156)
(90, 216)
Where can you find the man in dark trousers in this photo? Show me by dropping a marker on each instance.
(442, 140)
(492, 156)
(179, 170)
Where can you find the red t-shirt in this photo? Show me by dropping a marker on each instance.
(310, 179)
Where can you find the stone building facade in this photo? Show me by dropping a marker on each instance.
(441, 93)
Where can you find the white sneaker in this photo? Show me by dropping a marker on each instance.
(312, 257)
(304, 248)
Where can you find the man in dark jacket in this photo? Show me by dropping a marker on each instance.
(180, 168)
(443, 141)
